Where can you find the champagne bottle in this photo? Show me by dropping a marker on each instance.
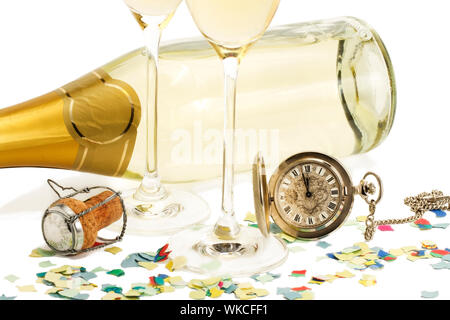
(326, 86)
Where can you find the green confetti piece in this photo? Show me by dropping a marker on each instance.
(116, 272)
(11, 278)
(46, 264)
(4, 298)
(98, 269)
(45, 253)
(430, 295)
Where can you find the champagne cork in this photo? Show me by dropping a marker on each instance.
(98, 218)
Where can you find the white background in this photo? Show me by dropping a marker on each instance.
(47, 43)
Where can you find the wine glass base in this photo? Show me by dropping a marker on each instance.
(250, 253)
(178, 211)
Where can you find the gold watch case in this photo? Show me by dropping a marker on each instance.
(266, 196)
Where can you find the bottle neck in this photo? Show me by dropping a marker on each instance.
(33, 134)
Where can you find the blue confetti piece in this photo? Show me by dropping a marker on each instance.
(282, 291)
(439, 213)
(292, 295)
(332, 256)
(446, 258)
(275, 229)
(420, 253)
(323, 244)
(382, 254)
(232, 288)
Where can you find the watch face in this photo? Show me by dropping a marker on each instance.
(312, 195)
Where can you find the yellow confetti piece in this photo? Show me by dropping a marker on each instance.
(370, 263)
(306, 295)
(148, 265)
(215, 292)
(358, 261)
(166, 289)
(197, 294)
(176, 263)
(63, 284)
(396, 252)
(53, 290)
(29, 288)
(132, 293)
(345, 274)
(261, 292)
(195, 284)
(409, 249)
(361, 218)
(112, 296)
(245, 286)
(113, 250)
(368, 280)
(244, 294)
(211, 281)
(89, 287)
(287, 237)
(52, 277)
(250, 217)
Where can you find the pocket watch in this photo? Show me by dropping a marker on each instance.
(309, 196)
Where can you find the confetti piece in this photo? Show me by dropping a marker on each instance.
(112, 296)
(28, 288)
(11, 278)
(162, 254)
(287, 237)
(111, 288)
(176, 263)
(113, 250)
(116, 272)
(98, 269)
(441, 225)
(430, 295)
(368, 280)
(323, 244)
(385, 228)
(345, 274)
(296, 249)
(439, 213)
(275, 229)
(301, 289)
(197, 294)
(361, 218)
(250, 217)
(298, 273)
(147, 265)
(46, 264)
(4, 298)
(39, 253)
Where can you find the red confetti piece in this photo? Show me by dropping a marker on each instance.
(302, 272)
(423, 222)
(385, 228)
(301, 289)
(441, 252)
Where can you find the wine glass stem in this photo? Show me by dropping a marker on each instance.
(227, 226)
(151, 187)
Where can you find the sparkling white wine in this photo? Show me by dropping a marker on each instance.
(153, 7)
(324, 86)
(232, 23)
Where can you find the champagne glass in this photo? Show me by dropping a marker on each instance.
(231, 27)
(152, 208)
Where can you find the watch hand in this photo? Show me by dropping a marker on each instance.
(306, 182)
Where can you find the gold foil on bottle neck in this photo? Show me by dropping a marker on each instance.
(102, 114)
